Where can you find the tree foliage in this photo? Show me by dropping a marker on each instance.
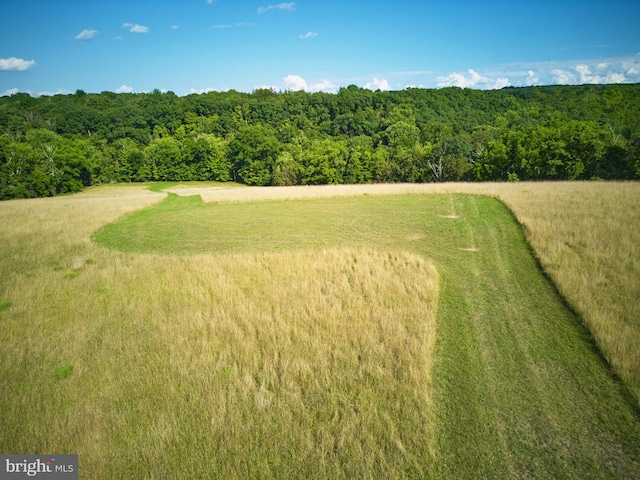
(59, 144)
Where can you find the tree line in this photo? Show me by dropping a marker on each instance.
(58, 144)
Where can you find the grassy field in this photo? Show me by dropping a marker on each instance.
(586, 236)
(299, 338)
(313, 364)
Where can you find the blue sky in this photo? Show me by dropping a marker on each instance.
(194, 46)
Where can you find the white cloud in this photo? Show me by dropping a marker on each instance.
(16, 64)
(210, 1)
(601, 74)
(459, 80)
(309, 35)
(532, 78)
(135, 28)
(174, 27)
(117, 37)
(589, 71)
(201, 90)
(378, 84)
(86, 35)
(615, 78)
(296, 82)
(323, 86)
(473, 80)
(124, 89)
(498, 83)
(585, 74)
(288, 6)
(563, 77)
(8, 93)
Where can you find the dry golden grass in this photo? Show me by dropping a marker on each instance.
(585, 234)
(299, 364)
(235, 194)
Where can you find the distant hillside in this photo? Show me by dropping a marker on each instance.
(58, 144)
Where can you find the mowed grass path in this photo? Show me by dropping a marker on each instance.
(520, 390)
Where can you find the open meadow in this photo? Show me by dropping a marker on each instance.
(354, 332)
(586, 235)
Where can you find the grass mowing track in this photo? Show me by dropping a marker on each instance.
(520, 390)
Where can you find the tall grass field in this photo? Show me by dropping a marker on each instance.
(356, 332)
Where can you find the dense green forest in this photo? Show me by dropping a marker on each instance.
(61, 143)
